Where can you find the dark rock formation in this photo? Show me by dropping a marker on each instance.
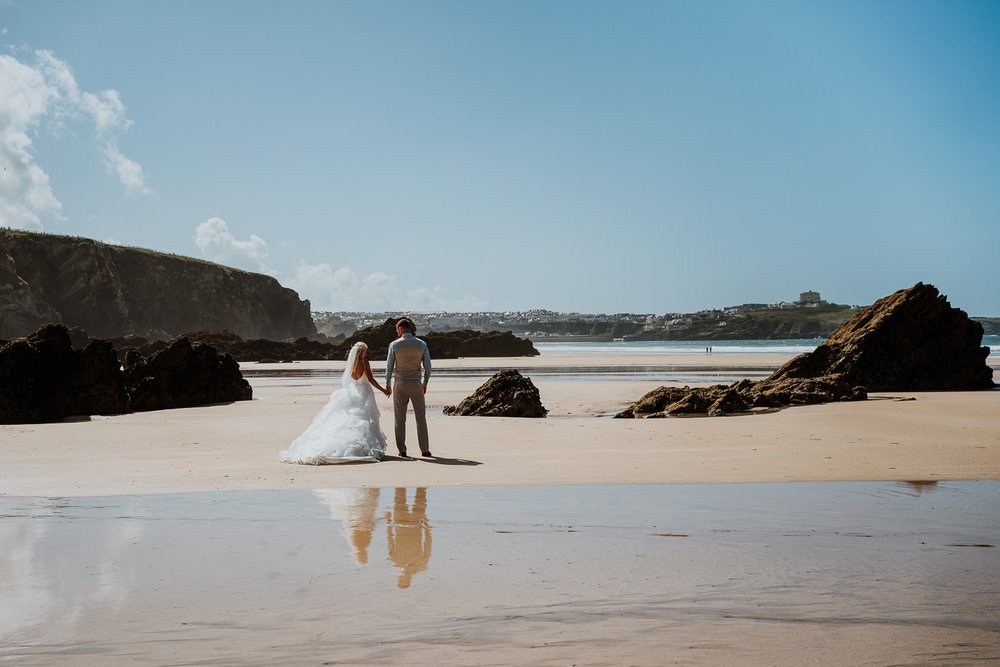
(42, 378)
(912, 340)
(446, 345)
(451, 345)
(506, 394)
(111, 291)
(184, 375)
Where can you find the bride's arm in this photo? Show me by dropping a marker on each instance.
(371, 378)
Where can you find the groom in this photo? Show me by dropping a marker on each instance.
(406, 355)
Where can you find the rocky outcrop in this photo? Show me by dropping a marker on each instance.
(450, 345)
(446, 345)
(912, 340)
(183, 375)
(44, 378)
(506, 394)
(741, 397)
(111, 290)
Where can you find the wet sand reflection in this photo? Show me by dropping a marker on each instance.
(408, 532)
(408, 535)
(751, 574)
(355, 510)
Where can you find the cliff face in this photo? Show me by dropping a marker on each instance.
(112, 291)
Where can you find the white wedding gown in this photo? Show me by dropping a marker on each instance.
(346, 430)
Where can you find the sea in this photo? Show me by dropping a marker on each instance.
(785, 347)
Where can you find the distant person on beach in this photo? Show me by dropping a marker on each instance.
(347, 429)
(407, 354)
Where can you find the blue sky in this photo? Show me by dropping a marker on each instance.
(591, 156)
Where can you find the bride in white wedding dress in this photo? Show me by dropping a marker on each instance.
(347, 429)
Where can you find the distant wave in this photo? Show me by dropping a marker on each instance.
(683, 347)
(690, 347)
(993, 342)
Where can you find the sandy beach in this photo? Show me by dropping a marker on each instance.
(927, 436)
(851, 533)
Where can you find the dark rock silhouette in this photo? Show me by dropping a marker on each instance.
(506, 394)
(446, 345)
(449, 345)
(912, 340)
(111, 290)
(184, 375)
(44, 378)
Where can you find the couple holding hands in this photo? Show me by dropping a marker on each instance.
(347, 429)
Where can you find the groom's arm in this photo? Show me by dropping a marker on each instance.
(427, 366)
(390, 364)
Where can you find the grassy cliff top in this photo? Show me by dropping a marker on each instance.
(114, 247)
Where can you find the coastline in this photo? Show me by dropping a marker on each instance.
(929, 436)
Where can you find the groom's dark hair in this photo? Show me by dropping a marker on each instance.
(406, 324)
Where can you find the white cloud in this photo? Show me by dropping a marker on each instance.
(129, 171)
(343, 289)
(46, 90)
(218, 244)
(25, 193)
(326, 287)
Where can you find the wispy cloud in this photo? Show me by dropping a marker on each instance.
(217, 243)
(129, 171)
(327, 287)
(46, 90)
(343, 288)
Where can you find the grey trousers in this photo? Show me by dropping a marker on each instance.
(404, 391)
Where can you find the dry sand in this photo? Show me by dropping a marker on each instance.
(934, 436)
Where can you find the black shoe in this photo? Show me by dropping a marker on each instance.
(427, 453)
(402, 453)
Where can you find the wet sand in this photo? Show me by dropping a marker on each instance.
(176, 537)
(827, 573)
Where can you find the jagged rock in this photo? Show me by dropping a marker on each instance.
(692, 403)
(506, 394)
(112, 290)
(42, 378)
(912, 340)
(731, 401)
(184, 375)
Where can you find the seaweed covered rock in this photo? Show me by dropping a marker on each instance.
(506, 394)
(184, 375)
(912, 340)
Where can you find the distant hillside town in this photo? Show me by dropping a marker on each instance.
(809, 316)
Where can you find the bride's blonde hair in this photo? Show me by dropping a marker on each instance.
(359, 366)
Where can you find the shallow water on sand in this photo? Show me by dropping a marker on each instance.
(894, 571)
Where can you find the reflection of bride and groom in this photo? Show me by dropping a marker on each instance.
(347, 429)
(408, 533)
